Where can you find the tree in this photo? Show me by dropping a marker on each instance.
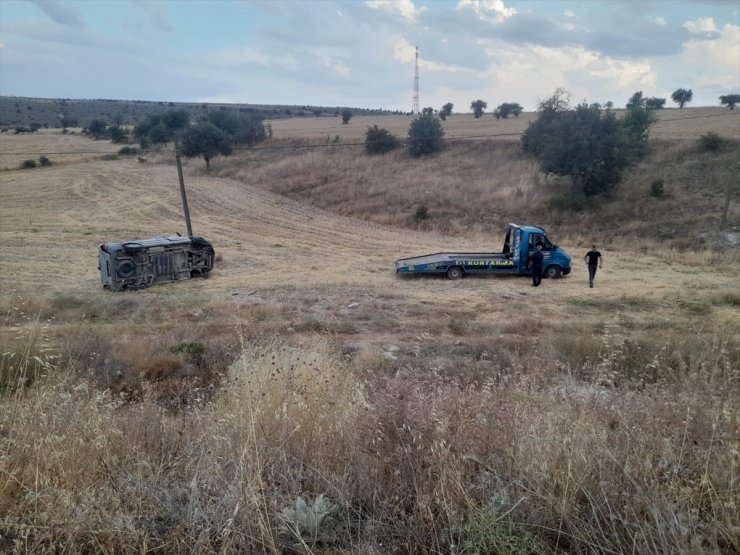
(636, 101)
(682, 96)
(176, 119)
(478, 106)
(589, 144)
(446, 111)
(557, 102)
(346, 116)
(654, 103)
(425, 135)
(67, 121)
(379, 140)
(730, 99)
(429, 110)
(241, 129)
(161, 128)
(117, 134)
(507, 108)
(206, 140)
(96, 128)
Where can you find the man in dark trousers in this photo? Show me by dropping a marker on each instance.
(593, 258)
(536, 260)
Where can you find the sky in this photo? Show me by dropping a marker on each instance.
(360, 53)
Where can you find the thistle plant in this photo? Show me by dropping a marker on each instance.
(309, 523)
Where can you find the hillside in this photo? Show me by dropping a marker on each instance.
(411, 415)
(480, 184)
(48, 112)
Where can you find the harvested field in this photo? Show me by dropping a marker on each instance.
(672, 124)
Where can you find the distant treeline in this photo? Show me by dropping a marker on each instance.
(51, 112)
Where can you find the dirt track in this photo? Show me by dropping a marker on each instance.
(274, 250)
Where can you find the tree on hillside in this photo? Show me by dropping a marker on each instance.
(346, 116)
(636, 101)
(478, 106)
(240, 128)
(730, 100)
(682, 96)
(161, 128)
(379, 140)
(503, 110)
(206, 140)
(589, 144)
(66, 122)
(96, 128)
(654, 103)
(428, 110)
(446, 111)
(425, 135)
(117, 134)
(176, 120)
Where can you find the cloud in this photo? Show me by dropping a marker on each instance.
(587, 74)
(156, 16)
(492, 11)
(405, 53)
(336, 67)
(713, 62)
(701, 25)
(61, 12)
(249, 55)
(660, 21)
(404, 8)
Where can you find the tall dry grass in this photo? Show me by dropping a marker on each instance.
(306, 451)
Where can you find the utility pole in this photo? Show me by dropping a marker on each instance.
(182, 191)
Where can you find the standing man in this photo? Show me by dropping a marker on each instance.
(593, 258)
(537, 259)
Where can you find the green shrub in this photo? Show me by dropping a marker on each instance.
(422, 213)
(487, 530)
(28, 164)
(44, 161)
(193, 349)
(379, 140)
(656, 188)
(425, 135)
(711, 142)
(128, 151)
(575, 201)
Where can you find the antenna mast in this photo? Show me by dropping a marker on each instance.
(415, 102)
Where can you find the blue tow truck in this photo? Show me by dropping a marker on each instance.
(519, 243)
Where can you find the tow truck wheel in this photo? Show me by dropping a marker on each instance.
(552, 272)
(454, 273)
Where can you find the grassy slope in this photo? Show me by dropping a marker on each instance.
(483, 412)
(483, 184)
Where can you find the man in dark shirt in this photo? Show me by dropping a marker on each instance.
(537, 259)
(593, 258)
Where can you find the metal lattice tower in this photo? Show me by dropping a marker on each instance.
(415, 102)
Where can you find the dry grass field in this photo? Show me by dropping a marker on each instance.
(671, 124)
(304, 399)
